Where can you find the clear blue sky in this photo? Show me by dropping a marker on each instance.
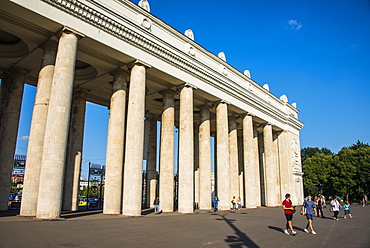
(315, 52)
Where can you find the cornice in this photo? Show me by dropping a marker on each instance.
(166, 52)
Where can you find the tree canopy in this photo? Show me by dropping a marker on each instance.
(345, 174)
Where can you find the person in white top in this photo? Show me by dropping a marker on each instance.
(335, 205)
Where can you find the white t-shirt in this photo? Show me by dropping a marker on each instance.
(336, 205)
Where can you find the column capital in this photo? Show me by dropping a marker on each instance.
(167, 91)
(120, 71)
(188, 85)
(247, 114)
(139, 62)
(49, 44)
(69, 30)
(220, 101)
(266, 124)
(81, 93)
(204, 106)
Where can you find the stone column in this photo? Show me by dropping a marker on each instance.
(115, 144)
(167, 157)
(261, 164)
(186, 151)
(151, 181)
(233, 158)
(132, 183)
(37, 131)
(223, 168)
(286, 171)
(8, 132)
(56, 131)
(275, 144)
(74, 152)
(257, 167)
(196, 165)
(205, 199)
(251, 168)
(241, 167)
(269, 167)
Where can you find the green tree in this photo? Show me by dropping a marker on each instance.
(316, 173)
(343, 173)
(309, 152)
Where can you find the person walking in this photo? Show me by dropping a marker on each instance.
(288, 211)
(319, 207)
(347, 212)
(233, 202)
(156, 205)
(364, 201)
(335, 206)
(308, 210)
(239, 201)
(215, 204)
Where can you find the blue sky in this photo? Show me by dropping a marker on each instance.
(315, 52)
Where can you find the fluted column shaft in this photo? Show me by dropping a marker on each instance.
(151, 183)
(241, 168)
(257, 167)
(74, 153)
(233, 158)
(8, 132)
(132, 183)
(251, 168)
(270, 168)
(223, 168)
(115, 145)
(186, 151)
(56, 132)
(205, 199)
(285, 169)
(275, 144)
(37, 131)
(167, 157)
(196, 164)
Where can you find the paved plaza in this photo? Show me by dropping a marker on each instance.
(260, 227)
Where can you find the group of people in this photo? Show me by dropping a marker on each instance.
(235, 203)
(309, 209)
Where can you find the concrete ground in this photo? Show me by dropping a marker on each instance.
(260, 227)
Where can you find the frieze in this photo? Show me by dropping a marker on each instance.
(101, 21)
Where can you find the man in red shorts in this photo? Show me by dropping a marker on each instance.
(288, 211)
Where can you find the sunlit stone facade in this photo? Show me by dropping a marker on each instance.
(117, 54)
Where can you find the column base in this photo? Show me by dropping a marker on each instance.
(50, 219)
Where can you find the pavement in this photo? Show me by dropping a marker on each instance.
(261, 227)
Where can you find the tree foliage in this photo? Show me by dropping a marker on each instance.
(345, 174)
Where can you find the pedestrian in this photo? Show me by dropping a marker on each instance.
(323, 199)
(364, 201)
(233, 202)
(288, 211)
(347, 212)
(239, 201)
(215, 204)
(335, 205)
(319, 207)
(308, 210)
(156, 205)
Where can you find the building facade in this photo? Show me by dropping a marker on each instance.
(117, 54)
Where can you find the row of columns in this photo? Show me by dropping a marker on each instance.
(53, 170)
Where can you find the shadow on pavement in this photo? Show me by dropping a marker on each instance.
(240, 239)
(11, 212)
(72, 214)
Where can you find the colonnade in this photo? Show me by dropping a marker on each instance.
(251, 159)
